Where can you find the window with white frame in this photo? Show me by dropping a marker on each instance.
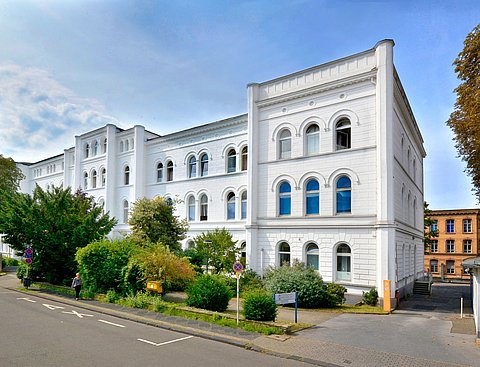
(169, 171)
(230, 206)
(85, 180)
(104, 149)
(434, 246)
(125, 211)
(343, 195)
(191, 208)
(284, 198)
(434, 266)
(204, 165)
(285, 144)
(344, 262)
(312, 197)
(103, 176)
(192, 167)
(450, 267)
(450, 246)
(312, 255)
(94, 179)
(343, 134)
(434, 226)
(467, 226)
(231, 161)
(243, 253)
(203, 207)
(244, 205)
(312, 139)
(244, 159)
(467, 246)
(126, 176)
(87, 150)
(95, 148)
(284, 254)
(450, 226)
(160, 172)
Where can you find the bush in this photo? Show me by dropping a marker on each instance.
(22, 270)
(371, 297)
(259, 305)
(249, 281)
(8, 261)
(112, 296)
(312, 291)
(336, 293)
(101, 264)
(209, 292)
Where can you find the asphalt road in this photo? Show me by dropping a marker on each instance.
(38, 332)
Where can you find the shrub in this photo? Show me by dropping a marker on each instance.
(249, 281)
(337, 293)
(298, 278)
(371, 297)
(8, 261)
(158, 263)
(101, 264)
(259, 305)
(22, 270)
(112, 296)
(209, 292)
(139, 300)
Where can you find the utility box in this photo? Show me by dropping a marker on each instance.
(155, 286)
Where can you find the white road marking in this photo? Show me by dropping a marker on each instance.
(111, 323)
(28, 300)
(164, 343)
(52, 307)
(77, 313)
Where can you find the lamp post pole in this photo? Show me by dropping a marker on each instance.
(207, 243)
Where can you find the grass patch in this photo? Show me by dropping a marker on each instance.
(366, 309)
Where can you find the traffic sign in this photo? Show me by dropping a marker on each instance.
(28, 260)
(238, 267)
(29, 251)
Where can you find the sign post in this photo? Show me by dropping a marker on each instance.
(28, 261)
(287, 298)
(386, 296)
(238, 268)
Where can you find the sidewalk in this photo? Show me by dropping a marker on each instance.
(312, 351)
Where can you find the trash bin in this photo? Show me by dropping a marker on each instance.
(155, 286)
(26, 282)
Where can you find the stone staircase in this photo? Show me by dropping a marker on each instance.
(422, 287)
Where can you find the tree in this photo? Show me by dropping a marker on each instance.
(152, 220)
(55, 223)
(465, 118)
(429, 235)
(217, 248)
(10, 176)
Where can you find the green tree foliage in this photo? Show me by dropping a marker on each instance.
(220, 251)
(101, 264)
(153, 220)
(429, 235)
(209, 292)
(55, 223)
(465, 119)
(157, 263)
(10, 176)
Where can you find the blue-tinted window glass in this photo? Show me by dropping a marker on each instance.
(450, 226)
(231, 206)
(312, 197)
(343, 182)
(344, 195)
(284, 199)
(244, 205)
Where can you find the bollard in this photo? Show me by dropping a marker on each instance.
(461, 308)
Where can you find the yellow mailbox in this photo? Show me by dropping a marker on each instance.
(155, 286)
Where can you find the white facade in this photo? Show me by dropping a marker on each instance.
(326, 167)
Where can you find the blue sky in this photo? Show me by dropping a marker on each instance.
(67, 67)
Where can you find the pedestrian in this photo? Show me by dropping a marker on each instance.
(77, 284)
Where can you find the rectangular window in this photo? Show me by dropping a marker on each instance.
(434, 226)
(450, 226)
(467, 226)
(434, 266)
(450, 267)
(285, 148)
(434, 247)
(285, 205)
(467, 247)
(450, 246)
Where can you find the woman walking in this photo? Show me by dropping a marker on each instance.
(77, 284)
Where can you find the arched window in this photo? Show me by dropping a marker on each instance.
(85, 180)
(126, 176)
(127, 145)
(132, 141)
(312, 197)
(312, 256)
(343, 134)
(125, 211)
(87, 150)
(284, 199)
(244, 205)
(230, 206)
(203, 207)
(243, 253)
(231, 161)
(283, 254)
(94, 179)
(344, 195)
(103, 176)
(204, 165)
(192, 167)
(285, 144)
(95, 148)
(159, 172)
(121, 146)
(169, 171)
(101, 204)
(244, 160)
(313, 139)
(344, 262)
(104, 149)
(191, 208)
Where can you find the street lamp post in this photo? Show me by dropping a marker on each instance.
(207, 243)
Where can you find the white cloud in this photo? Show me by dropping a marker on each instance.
(39, 117)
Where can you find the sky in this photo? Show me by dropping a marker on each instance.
(68, 67)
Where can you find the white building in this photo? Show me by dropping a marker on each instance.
(326, 167)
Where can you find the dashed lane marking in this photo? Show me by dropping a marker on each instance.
(80, 315)
(164, 343)
(27, 299)
(111, 323)
(52, 307)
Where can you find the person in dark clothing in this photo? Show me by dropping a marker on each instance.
(77, 284)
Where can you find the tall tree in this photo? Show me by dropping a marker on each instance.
(55, 223)
(217, 248)
(10, 176)
(465, 119)
(429, 234)
(153, 220)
